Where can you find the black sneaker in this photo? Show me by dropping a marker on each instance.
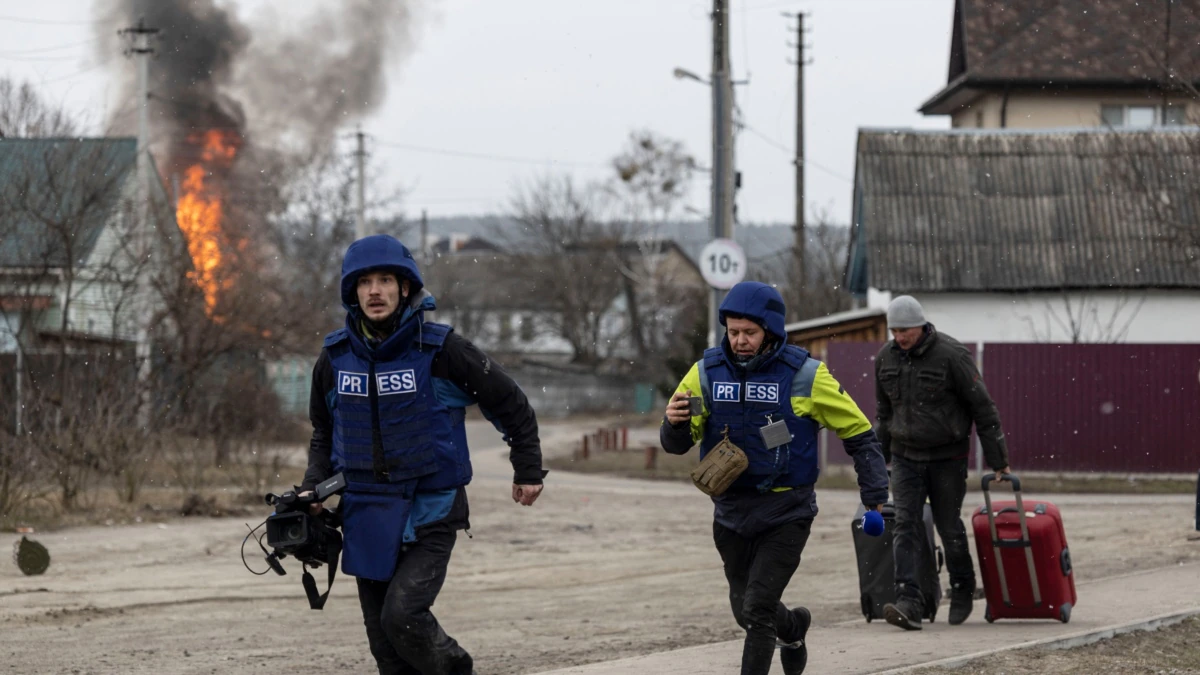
(793, 656)
(904, 613)
(961, 603)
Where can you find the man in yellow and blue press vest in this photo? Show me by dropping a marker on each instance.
(388, 403)
(769, 399)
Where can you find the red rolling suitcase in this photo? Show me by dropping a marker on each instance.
(1024, 558)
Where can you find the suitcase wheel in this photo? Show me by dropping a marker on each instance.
(987, 614)
(1064, 613)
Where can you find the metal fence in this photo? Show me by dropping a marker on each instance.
(1132, 408)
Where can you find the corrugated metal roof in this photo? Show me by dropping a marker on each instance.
(56, 195)
(834, 319)
(1008, 210)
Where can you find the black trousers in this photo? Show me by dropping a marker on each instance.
(945, 484)
(405, 637)
(758, 569)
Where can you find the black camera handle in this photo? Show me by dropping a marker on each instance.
(334, 552)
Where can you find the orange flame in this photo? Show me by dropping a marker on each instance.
(199, 212)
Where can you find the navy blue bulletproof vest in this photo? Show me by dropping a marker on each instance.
(742, 401)
(422, 438)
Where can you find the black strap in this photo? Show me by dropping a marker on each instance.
(310, 585)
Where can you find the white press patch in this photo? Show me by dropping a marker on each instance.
(396, 382)
(351, 384)
(727, 392)
(762, 392)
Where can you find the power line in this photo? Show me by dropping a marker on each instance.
(38, 59)
(21, 53)
(58, 22)
(791, 153)
(492, 157)
(89, 69)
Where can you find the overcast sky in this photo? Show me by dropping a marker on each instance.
(557, 85)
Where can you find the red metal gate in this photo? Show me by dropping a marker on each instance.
(1104, 408)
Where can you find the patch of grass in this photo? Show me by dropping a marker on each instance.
(1173, 649)
(174, 484)
(631, 464)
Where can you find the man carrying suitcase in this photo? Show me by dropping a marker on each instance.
(928, 394)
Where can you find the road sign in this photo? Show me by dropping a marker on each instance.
(723, 263)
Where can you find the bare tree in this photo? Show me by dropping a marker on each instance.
(820, 293)
(654, 174)
(562, 251)
(64, 208)
(1084, 317)
(23, 114)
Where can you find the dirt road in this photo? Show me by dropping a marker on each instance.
(600, 568)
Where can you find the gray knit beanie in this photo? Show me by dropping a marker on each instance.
(905, 312)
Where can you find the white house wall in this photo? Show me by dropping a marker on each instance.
(107, 300)
(97, 305)
(1158, 316)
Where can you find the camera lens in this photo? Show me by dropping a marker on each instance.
(294, 532)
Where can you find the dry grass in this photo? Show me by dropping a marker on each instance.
(182, 482)
(632, 464)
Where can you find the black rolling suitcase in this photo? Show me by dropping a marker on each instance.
(876, 571)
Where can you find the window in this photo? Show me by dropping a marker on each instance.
(978, 119)
(505, 328)
(1112, 115)
(1141, 116)
(527, 328)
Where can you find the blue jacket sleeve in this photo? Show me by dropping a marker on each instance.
(870, 467)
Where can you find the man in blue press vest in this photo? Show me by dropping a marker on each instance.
(388, 404)
(758, 391)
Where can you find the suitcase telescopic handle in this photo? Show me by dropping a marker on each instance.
(1025, 541)
(989, 477)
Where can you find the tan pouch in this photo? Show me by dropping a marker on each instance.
(720, 467)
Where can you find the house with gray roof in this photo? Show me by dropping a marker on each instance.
(1057, 235)
(1071, 63)
(78, 244)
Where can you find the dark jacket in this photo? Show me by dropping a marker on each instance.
(928, 397)
(463, 365)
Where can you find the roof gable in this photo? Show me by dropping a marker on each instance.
(1081, 42)
(1022, 211)
(56, 196)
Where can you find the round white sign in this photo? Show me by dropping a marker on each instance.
(723, 263)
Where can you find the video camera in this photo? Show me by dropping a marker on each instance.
(313, 540)
(291, 530)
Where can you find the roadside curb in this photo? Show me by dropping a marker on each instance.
(1064, 642)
